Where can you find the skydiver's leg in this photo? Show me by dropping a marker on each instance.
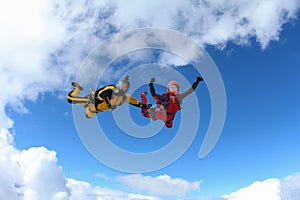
(73, 96)
(91, 111)
(145, 111)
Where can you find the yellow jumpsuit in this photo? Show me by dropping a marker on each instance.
(104, 100)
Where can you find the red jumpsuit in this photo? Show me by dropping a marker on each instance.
(167, 104)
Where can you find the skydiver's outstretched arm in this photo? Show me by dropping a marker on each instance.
(192, 88)
(135, 102)
(153, 93)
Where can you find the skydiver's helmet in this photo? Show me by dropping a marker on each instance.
(123, 86)
(173, 87)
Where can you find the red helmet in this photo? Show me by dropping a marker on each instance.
(171, 89)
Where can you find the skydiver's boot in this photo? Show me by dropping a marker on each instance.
(169, 124)
(77, 85)
(144, 93)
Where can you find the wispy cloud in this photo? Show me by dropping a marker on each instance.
(83, 190)
(103, 176)
(160, 185)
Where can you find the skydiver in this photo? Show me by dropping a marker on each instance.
(105, 98)
(167, 104)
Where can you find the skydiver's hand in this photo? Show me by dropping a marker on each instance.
(152, 80)
(146, 106)
(199, 79)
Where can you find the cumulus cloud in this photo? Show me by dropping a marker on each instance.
(29, 174)
(160, 185)
(41, 177)
(287, 188)
(33, 174)
(29, 34)
(268, 189)
(272, 189)
(290, 187)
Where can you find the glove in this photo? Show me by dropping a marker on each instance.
(146, 106)
(199, 79)
(152, 80)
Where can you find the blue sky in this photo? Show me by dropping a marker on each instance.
(258, 59)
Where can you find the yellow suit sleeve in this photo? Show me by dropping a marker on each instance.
(132, 100)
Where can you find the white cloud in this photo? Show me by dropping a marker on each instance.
(142, 197)
(103, 176)
(146, 13)
(41, 177)
(10, 173)
(211, 22)
(171, 60)
(272, 189)
(33, 174)
(160, 185)
(29, 34)
(83, 190)
(43, 43)
(30, 174)
(290, 187)
(268, 189)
